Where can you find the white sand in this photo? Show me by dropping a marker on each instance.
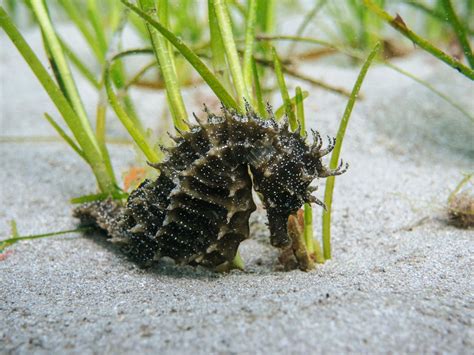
(394, 285)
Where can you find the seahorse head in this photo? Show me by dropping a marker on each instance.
(283, 166)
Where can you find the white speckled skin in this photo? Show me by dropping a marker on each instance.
(198, 210)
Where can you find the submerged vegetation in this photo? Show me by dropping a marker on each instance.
(233, 49)
(461, 203)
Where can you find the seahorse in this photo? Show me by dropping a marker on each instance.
(197, 211)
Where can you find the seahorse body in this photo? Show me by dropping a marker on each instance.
(197, 211)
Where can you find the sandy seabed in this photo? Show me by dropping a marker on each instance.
(400, 279)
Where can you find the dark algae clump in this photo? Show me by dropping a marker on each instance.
(461, 210)
(197, 211)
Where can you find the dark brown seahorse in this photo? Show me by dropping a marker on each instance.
(197, 211)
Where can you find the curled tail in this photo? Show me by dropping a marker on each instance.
(135, 224)
(102, 215)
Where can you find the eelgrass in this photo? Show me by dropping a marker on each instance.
(358, 55)
(243, 84)
(247, 70)
(308, 211)
(218, 59)
(460, 31)
(78, 63)
(330, 181)
(438, 14)
(460, 206)
(306, 21)
(203, 70)
(460, 185)
(135, 133)
(15, 237)
(281, 111)
(258, 91)
(90, 23)
(79, 127)
(165, 59)
(289, 111)
(398, 24)
(353, 25)
(313, 246)
(235, 68)
(59, 64)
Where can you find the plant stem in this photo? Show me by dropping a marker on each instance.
(266, 18)
(190, 56)
(258, 91)
(459, 186)
(65, 136)
(249, 44)
(225, 28)
(308, 210)
(280, 111)
(307, 19)
(300, 110)
(460, 31)
(54, 46)
(354, 54)
(86, 141)
(294, 38)
(73, 12)
(78, 63)
(330, 181)
(398, 24)
(265, 25)
(308, 228)
(137, 76)
(284, 91)
(134, 132)
(16, 238)
(117, 70)
(316, 82)
(164, 58)
(217, 47)
(94, 17)
(238, 262)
